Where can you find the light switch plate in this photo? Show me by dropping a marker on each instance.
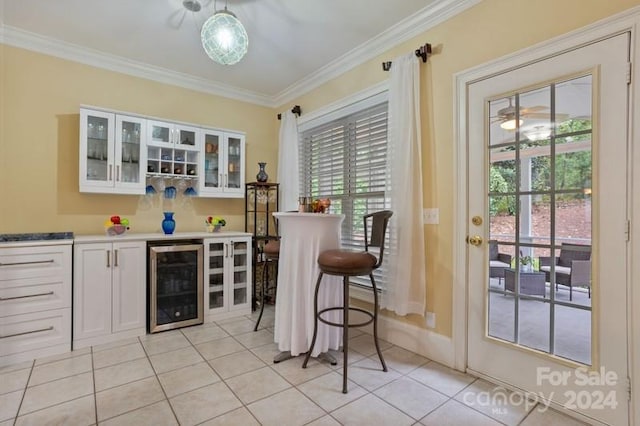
(431, 216)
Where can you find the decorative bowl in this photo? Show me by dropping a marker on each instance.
(116, 230)
(213, 228)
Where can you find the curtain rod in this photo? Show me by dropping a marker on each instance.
(422, 52)
(296, 110)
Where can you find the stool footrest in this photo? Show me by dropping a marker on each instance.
(340, 324)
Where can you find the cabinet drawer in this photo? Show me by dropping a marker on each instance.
(21, 333)
(30, 262)
(33, 295)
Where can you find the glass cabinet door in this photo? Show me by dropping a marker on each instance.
(212, 153)
(215, 281)
(129, 134)
(98, 141)
(234, 162)
(185, 136)
(240, 273)
(160, 132)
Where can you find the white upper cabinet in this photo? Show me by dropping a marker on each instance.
(223, 164)
(172, 135)
(112, 153)
(120, 152)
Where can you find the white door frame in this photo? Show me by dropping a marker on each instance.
(628, 20)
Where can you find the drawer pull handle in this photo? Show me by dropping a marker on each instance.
(27, 332)
(49, 293)
(33, 262)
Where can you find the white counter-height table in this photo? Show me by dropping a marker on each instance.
(303, 237)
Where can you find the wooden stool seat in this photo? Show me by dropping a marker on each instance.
(272, 249)
(346, 262)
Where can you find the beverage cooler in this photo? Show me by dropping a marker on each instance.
(175, 284)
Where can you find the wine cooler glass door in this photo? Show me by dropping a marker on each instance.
(176, 286)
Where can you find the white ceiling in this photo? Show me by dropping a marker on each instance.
(294, 45)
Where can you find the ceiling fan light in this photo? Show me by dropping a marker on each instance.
(224, 38)
(510, 124)
(538, 133)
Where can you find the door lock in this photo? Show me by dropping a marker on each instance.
(476, 240)
(476, 220)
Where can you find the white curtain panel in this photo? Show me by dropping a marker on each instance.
(406, 286)
(288, 175)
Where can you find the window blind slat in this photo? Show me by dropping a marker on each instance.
(345, 160)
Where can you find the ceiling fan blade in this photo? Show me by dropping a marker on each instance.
(546, 116)
(536, 108)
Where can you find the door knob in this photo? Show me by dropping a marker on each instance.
(476, 240)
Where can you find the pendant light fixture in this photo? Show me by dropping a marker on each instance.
(224, 38)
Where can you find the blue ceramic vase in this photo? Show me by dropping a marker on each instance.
(168, 223)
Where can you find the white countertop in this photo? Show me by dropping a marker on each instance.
(129, 236)
(132, 236)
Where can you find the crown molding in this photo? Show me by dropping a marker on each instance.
(416, 24)
(27, 40)
(432, 15)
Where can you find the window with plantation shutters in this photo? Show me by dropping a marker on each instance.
(345, 160)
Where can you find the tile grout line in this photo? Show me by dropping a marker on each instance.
(155, 373)
(216, 373)
(24, 393)
(95, 393)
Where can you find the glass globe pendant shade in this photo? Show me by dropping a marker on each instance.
(224, 38)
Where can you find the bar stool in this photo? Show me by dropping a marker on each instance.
(351, 263)
(271, 251)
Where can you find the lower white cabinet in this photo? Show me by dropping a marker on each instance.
(109, 295)
(227, 276)
(35, 300)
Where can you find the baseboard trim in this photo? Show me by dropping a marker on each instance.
(108, 338)
(422, 341)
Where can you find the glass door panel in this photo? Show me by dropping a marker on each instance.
(234, 156)
(175, 286)
(212, 152)
(97, 148)
(539, 198)
(240, 273)
(216, 275)
(160, 132)
(130, 150)
(186, 137)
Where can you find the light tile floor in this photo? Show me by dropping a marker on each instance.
(223, 374)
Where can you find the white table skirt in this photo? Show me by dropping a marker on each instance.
(303, 237)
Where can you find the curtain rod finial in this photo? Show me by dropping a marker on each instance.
(296, 110)
(424, 52)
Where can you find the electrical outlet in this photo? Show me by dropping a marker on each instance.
(431, 319)
(431, 216)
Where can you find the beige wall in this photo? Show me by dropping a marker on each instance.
(41, 96)
(491, 29)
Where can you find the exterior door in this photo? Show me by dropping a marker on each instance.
(547, 197)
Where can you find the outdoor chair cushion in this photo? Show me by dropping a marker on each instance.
(498, 264)
(559, 269)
